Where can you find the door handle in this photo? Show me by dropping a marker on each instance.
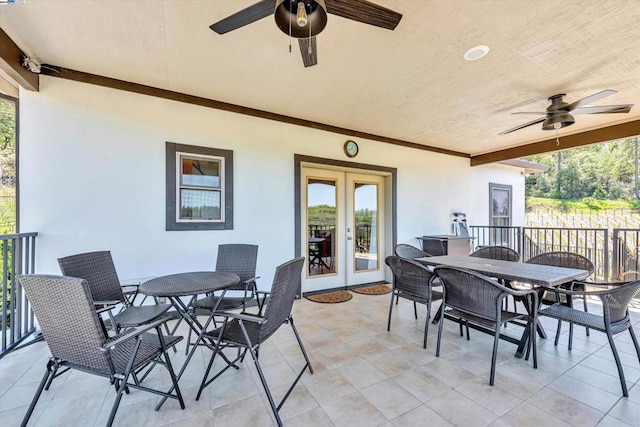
(349, 238)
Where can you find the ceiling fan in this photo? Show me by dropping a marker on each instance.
(557, 115)
(304, 19)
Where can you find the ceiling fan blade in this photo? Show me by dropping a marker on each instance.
(589, 99)
(309, 51)
(365, 12)
(246, 16)
(524, 125)
(538, 113)
(603, 109)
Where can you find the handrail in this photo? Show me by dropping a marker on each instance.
(16, 316)
(612, 251)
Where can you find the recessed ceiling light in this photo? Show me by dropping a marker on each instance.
(476, 52)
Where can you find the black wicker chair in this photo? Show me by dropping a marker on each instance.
(502, 253)
(239, 259)
(73, 331)
(568, 260)
(407, 251)
(615, 319)
(247, 332)
(497, 252)
(412, 281)
(98, 270)
(474, 298)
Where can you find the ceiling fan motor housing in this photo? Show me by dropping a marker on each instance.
(285, 16)
(557, 115)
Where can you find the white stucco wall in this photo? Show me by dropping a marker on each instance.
(92, 177)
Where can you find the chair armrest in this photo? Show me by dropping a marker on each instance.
(108, 302)
(599, 284)
(252, 280)
(258, 291)
(580, 293)
(105, 308)
(241, 316)
(111, 344)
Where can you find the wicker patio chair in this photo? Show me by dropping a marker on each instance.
(407, 251)
(247, 332)
(72, 329)
(474, 298)
(502, 253)
(412, 281)
(239, 259)
(615, 319)
(568, 260)
(98, 270)
(497, 252)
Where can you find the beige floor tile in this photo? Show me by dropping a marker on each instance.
(459, 410)
(496, 399)
(329, 386)
(315, 417)
(610, 421)
(390, 363)
(421, 384)
(251, 412)
(361, 373)
(585, 393)
(390, 399)
(565, 408)
(597, 378)
(353, 410)
(525, 415)
(627, 411)
(448, 372)
(420, 416)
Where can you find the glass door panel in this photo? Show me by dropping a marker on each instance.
(365, 206)
(321, 225)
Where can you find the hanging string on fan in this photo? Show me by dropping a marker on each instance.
(557, 139)
(290, 17)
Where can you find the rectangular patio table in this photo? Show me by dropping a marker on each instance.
(541, 277)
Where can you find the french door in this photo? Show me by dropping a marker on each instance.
(343, 228)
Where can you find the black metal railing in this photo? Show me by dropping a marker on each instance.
(613, 252)
(625, 254)
(18, 255)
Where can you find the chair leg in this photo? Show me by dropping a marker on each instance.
(304, 353)
(415, 310)
(426, 325)
(466, 325)
(440, 329)
(635, 341)
(494, 355)
(172, 374)
(46, 378)
(558, 330)
(570, 335)
(623, 383)
(586, 309)
(263, 380)
(123, 382)
(390, 309)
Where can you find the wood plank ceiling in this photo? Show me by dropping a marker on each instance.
(410, 85)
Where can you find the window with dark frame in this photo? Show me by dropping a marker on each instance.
(199, 183)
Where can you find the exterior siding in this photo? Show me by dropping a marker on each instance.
(92, 171)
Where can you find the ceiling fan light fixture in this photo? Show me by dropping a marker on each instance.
(309, 15)
(301, 18)
(558, 121)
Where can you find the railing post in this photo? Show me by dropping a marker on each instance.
(606, 254)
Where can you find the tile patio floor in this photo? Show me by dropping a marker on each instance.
(364, 376)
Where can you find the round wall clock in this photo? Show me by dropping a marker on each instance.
(351, 148)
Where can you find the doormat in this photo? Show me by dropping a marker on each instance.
(373, 290)
(331, 297)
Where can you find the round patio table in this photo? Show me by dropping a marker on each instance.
(190, 284)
